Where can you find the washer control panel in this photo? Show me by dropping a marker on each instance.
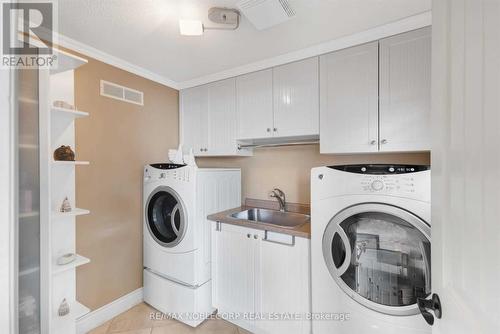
(388, 183)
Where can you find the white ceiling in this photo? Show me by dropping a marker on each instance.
(146, 33)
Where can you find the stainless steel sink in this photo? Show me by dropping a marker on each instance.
(283, 219)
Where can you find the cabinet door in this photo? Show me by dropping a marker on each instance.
(254, 93)
(283, 286)
(222, 117)
(349, 100)
(233, 263)
(194, 118)
(296, 95)
(405, 91)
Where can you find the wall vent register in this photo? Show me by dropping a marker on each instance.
(264, 14)
(122, 93)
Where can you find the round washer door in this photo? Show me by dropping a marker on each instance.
(380, 255)
(165, 216)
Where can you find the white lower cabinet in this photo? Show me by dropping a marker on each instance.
(259, 284)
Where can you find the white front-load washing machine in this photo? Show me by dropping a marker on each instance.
(370, 248)
(177, 200)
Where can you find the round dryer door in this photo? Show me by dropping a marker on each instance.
(380, 255)
(165, 216)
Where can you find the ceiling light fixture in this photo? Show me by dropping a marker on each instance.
(191, 27)
(228, 18)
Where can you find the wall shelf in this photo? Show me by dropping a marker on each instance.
(72, 213)
(69, 112)
(28, 146)
(79, 261)
(29, 214)
(69, 163)
(67, 61)
(80, 310)
(29, 271)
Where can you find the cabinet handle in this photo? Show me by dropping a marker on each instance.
(383, 141)
(249, 235)
(255, 236)
(373, 142)
(291, 244)
(201, 150)
(268, 129)
(275, 129)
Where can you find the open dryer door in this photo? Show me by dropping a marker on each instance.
(379, 255)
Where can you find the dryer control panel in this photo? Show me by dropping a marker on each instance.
(156, 172)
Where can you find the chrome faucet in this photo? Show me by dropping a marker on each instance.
(280, 196)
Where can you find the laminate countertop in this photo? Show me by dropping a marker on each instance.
(224, 217)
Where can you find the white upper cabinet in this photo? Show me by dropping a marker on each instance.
(405, 91)
(222, 118)
(194, 118)
(279, 102)
(295, 99)
(254, 95)
(373, 97)
(376, 97)
(349, 100)
(209, 122)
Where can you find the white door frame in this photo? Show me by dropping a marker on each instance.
(8, 323)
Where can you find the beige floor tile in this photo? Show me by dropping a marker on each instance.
(243, 331)
(176, 328)
(103, 329)
(136, 318)
(218, 326)
(138, 331)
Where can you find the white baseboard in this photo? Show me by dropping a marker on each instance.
(109, 311)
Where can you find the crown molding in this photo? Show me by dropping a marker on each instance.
(397, 27)
(92, 52)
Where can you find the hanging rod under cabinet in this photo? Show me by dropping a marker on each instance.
(242, 146)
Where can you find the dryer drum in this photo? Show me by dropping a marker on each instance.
(165, 217)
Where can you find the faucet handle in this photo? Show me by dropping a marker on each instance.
(279, 192)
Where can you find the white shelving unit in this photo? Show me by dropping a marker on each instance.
(57, 127)
(74, 212)
(69, 112)
(79, 261)
(69, 163)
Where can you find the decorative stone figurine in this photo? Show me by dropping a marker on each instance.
(66, 206)
(63, 308)
(64, 153)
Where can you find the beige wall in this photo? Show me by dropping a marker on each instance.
(288, 168)
(118, 139)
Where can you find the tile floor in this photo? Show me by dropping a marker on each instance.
(138, 320)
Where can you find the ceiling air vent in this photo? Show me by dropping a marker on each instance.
(264, 14)
(121, 93)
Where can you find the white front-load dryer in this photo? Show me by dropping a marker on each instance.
(370, 248)
(169, 224)
(177, 259)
